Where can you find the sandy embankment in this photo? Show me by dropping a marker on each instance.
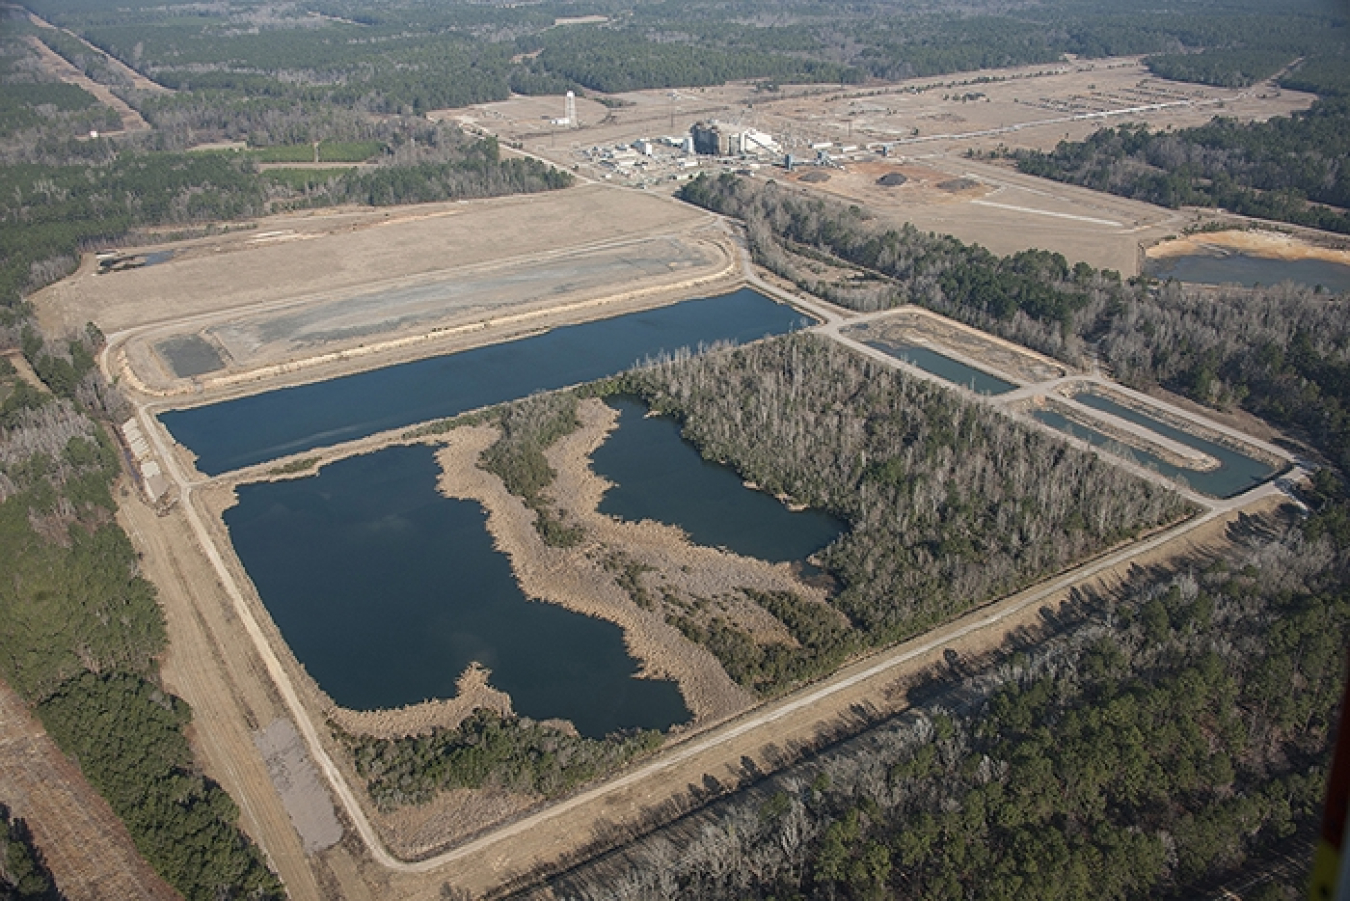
(577, 578)
(1253, 242)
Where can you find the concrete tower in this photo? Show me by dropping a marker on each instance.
(570, 110)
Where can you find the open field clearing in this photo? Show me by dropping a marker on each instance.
(376, 316)
(1000, 208)
(337, 288)
(1026, 106)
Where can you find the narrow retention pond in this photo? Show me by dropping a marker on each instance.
(386, 591)
(1237, 472)
(238, 433)
(660, 476)
(945, 367)
(1247, 270)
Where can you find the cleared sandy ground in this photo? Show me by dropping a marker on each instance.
(1295, 244)
(327, 254)
(1032, 102)
(433, 311)
(1000, 208)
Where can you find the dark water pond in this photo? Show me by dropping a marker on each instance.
(1237, 472)
(1242, 269)
(944, 366)
(190, 355)
(238, 433)
(660, 476)
(386, 591)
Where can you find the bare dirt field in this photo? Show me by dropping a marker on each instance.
(84, 844)
(926, 126)
(350, 288)
(1025, 106)
(1000, 208)
(313, 256)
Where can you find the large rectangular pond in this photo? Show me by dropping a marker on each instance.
(238, 433)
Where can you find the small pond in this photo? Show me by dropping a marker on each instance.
(1244, 269)
(660, 476)
(943, 366)
(1237, 472)
(386, 591)
(190, 355)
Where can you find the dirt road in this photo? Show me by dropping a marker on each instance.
(215, 672)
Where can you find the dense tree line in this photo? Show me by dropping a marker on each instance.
(949, 502)
(822, 640)
(31, 104)
(1152, 747)
(81, 632)
(23, 875)
(1283, 353)
(613, 61)
(126, 733)
(511, 753)
(1033, 297)
(90, 61)
(1292, 169)
(410, 57)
